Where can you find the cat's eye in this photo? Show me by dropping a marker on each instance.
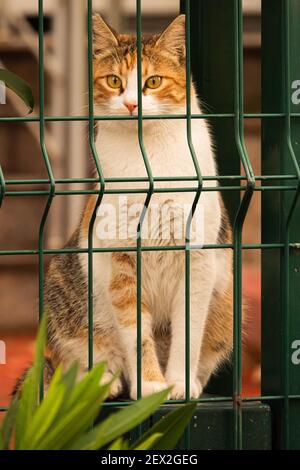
(153, 82)
(113, 81)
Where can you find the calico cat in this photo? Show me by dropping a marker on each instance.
(163, 272)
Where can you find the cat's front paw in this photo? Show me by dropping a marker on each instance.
(178, 390)
(148, 388)
(116, 387)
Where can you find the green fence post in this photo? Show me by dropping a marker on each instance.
(280, 219)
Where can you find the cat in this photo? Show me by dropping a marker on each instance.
(163, 272)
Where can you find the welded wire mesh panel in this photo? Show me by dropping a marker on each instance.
(281, 131)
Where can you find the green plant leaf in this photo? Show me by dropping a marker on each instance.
(119, 444)
(46, 413)
(121, 422)
(19, 86)
(77, 416)
(74, 423)
(8, 424)
(170, 427)
(149, 443)
(92, 377)
(29, 398)
(69, 377)
(64, 417)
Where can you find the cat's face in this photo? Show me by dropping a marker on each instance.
(115, 71)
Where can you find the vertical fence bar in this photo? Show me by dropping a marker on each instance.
(2, 186)
(194, 205)
(101, 183)
(293, 265)
(46, 162)
(213, 75)
(280, 270)
(272, 151)
(238, 227)
(291, 211)
(148, 197)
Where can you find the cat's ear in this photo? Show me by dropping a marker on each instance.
(173, 37)
(104, 36)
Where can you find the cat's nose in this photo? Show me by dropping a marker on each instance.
(131, 106)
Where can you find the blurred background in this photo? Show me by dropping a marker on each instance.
(67, 144)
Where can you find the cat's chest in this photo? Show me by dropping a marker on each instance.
(167, 153)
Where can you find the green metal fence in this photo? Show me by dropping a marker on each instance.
(226, 420)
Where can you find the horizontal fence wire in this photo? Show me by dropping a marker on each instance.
(147, 117)
(54, 251)
(155, 179)
(253, 183)
(66, 192)
(210, 399)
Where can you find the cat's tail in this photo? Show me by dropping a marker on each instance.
(48, 373)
